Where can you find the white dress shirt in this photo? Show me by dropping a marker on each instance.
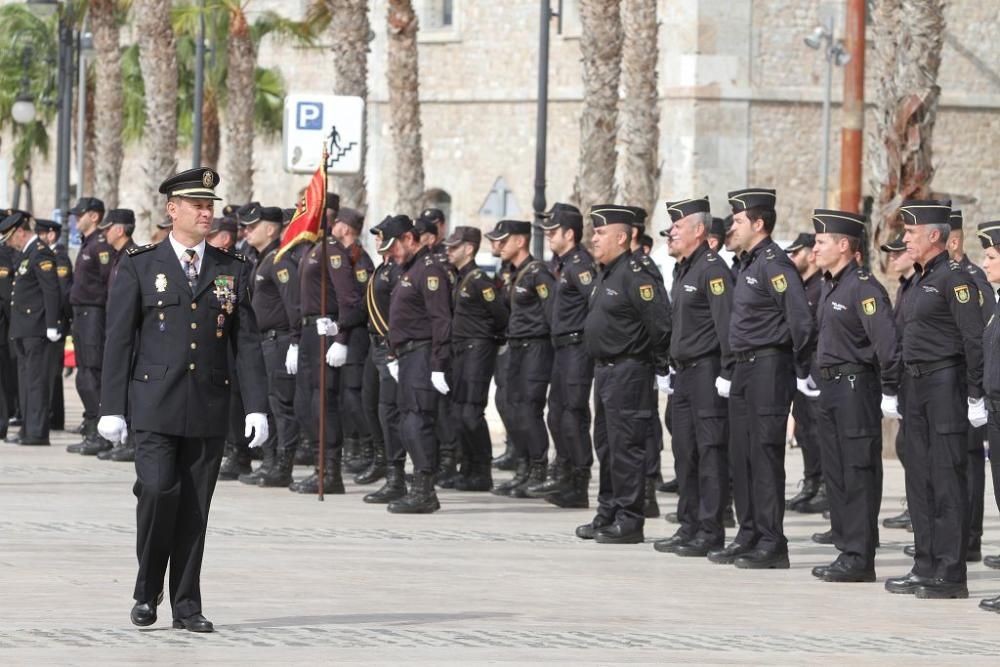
(181, 251)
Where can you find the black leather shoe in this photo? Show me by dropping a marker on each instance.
(763, 559)
(671, 517)
(697, 548)
(906, 585)
(670, 486)
(668, 544)
(841, 574)
(727, 555)
(992, 562)
(194, 623)
(588, 530)
(991, 604)
(144, 613)
(123, 454)
(939, 589)
(820, 570)
(34, 442)
(824, 537)
(616, 533)
(901, 521)
(910, 550)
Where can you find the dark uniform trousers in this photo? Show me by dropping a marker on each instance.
(34, 355)
(388, 410)
(936, 422)
(370, 389)
(850, 429)
(351, 382)
(759, 402)
(57, 405)
(805, 411)
(623, 419)
(654, 443)
(528, 377)
(569, 415)
(472, 365)
(976, 473)
(88, 346)
(176, 480)
(418, 403)
(993, 433)
(310, 357)
(500, 398)
(700, 423)
(283, 429)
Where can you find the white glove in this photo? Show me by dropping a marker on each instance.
(326, 327)
(393, 367)
(257, 427)
(890, 407)
(665, 383)
(722, 386)
(503, 349)
(807, 387)
(437, 379)
(52, 334)
(977, 412)
(113, 428)
(292, 360)
(336, 356)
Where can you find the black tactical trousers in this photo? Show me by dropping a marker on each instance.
(569, 405)
(283, 428)
(850, 430)
(88, 347)
(700, 423)
(310, 358)
(33, 360)
(623, 418)
(976, 473)
(528, 377)
(935, 417)
(351, 385)
(418, 403)
(57, 404)
(370, 387)
(388, 410)
(805, 412)
(993, 433)
(500, 396)
(472, 365)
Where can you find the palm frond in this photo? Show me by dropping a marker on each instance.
(269, 101)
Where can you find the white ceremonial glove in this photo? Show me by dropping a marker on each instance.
(722, 386)
(257, 427)
(113, 428)
(292, 360)
(437, 379)
(665, 383)
(977, 412)
(503, 349)
(336, 356)
(326, 327)
(890, 407)
(52, 334)
(393, 367)
(807, 387)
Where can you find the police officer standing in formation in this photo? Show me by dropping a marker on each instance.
(772, 335)
(859, 362)
(942, 393)
(36, 321)
(478, 328)
(699, 348)
(627, 334)
(8, 371)
(48, 233)
(179, 308)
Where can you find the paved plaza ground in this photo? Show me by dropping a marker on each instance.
(486, 579)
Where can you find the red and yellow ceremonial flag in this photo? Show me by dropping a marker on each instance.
(305, 223)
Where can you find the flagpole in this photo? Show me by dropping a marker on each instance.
(324, 230)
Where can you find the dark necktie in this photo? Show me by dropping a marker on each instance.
(189, 267)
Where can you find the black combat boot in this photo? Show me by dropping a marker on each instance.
(817, 504)
(559, 481)
(504, 488)
(576, 495)
(420, 500)
(670, 486)
(95, 444)
(810, 487)
(235, 462)
(447, 469)
(305, 453)
(507, 460)
(536, 477)
(376, 470)
(393, 489)
(650, 508)
(333, 482)
(280, 474)
(475, 477)
(352, 455)
(367, 454)
(268, 460)
(89, 430)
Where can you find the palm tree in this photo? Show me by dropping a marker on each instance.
(158, 63)
(404, 105)
(104, 19)
(601, 43)
(639, 122)
(908, 37)
(242, 61)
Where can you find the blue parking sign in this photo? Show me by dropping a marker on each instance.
(309, 116)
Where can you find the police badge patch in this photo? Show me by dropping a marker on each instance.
(646, 292)
(104, 256)
(779, 283)
(433, 283)
(962, 293)
(45, 265)
(361, 275)
(868, 306)
(62, 271)
(543, 291)
(282, 276)
(489, 294)
(717, 285)
(585, 278)
(335, 261)
(160, 283)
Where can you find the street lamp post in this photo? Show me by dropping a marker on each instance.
(822, 37)
(541, 125)
(199, 87)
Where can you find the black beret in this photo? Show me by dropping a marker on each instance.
(895, 244)
(390, 229)
(741, 200)
(246, 214)
(198, 183)
(801, 241)
(464, 235)
(505, 228)
(434, 215)
(118, 216)
(955, 220)
(562, 215)
(351, 217)
(271, 214)
(827, 221)
(84, 204)
(685, 207)
(989, 233)
(925, 212)
(611, 214)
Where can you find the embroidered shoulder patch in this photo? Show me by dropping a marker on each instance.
(779, 283)
(717, 286)
(868, 306)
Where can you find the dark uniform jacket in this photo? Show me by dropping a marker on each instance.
(991, 357)
(286, 271)
(362, 267)
(116, 262)
(701, 298)
(93, 269)
(770, 307)
(167, 358)
(344, 303)
(378, 295)
(479, 312)
(531, 285)
(35, 304)
(987, 304)
(64, 273)
(942, 319)
(629, 315)
(857, 327)
(420, 308)
(7, 272)
(270, 310)
(575, 273)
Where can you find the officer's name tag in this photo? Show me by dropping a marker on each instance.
(751, 280)
(838, 306)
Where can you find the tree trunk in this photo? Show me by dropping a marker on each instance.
(601, 43)
(639, 113)
(404, 106)
(239, 117)
(210, 130)
(108, 101)
(90, 143)
(158, 63)
(907, 38)
(349, 28)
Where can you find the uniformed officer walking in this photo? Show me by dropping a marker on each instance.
(942, 393)
(859, 362)
(772, 335)
(179, 306)
(36, 321)
(627, 333)
(701, 298)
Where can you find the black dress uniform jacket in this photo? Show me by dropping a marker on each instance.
(479, 311)
(166, 363)
(420, 308)
(35, 301)
(93, 269)
(7, 272)
(64, 272)
(575, 273)
(702, 294)
(343, 299)
(378, 295)
(531, 285)
(991, 360)
(267, 303)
